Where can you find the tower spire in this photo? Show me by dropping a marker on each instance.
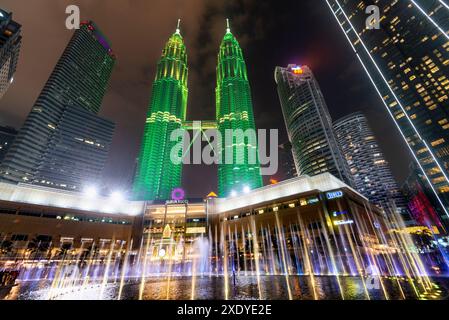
(178, 27)
(155, 177)
(234, 111)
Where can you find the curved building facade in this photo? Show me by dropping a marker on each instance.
(309, 125)
(369, 168)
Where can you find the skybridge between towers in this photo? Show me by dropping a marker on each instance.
(199, 125)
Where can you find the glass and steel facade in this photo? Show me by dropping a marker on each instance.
(157, 175)
(234, 113)
(170, 229)
(49, 143)
(10, 42)
(7, 136)
(286, 162)
(407, 60)
(309, 125)
(77, 150)
(30, 213)
(369, 168)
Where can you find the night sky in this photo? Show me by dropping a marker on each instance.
(271, 33)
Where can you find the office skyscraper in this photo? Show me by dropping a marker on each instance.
(157, 175)
(309, 125)
(77, 150)
(370, 170)
(7, 136)
(10, 42)
(63, 141)
(286, 162)
(407, 60)
(234, 109)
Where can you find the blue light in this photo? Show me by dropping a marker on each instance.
(339, 213)
(313, 200)
(334, 195)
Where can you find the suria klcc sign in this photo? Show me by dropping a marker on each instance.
(334, 195)
(177, 197)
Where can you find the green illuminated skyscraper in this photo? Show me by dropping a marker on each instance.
(235, 111)
(157, 175)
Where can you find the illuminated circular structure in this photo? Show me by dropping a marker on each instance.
(178, 194)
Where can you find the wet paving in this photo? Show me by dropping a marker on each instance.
(246, 287)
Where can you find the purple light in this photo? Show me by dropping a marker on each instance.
(178, 194)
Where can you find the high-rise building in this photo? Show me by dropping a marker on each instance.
(369, 168)
(309, 125)
(234, 110)
(10, 42)
(7, 136)
(63, 141)
(157, 175)
(77, 151)
(407, 60)
(286, 162)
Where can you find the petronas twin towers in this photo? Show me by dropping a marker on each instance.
(157, 176)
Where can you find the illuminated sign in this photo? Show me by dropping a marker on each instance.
(297, 70)
(339, 213)
(334, 195)
(313, 200)
(178, 194)
(196, 230)
(343, 222)
(177, 202)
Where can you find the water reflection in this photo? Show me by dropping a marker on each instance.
(212, 287)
